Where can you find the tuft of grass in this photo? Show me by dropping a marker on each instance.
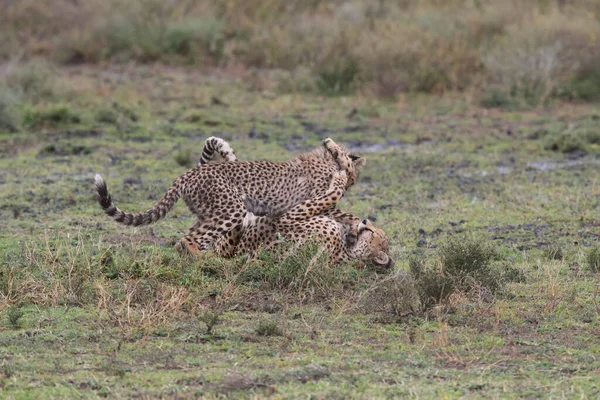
(462, 266)
(582, 136)
(495, 98)
(199, 37)
(304, 270)
(564, 142)
(395, 295)
(184, 158)
(554, 252)
(13, 315)
(36, 118)
(338, 80)
(10, 115)
(210, 318)
(106, 116)
(593, 258)
(35, 80)
(268, 327)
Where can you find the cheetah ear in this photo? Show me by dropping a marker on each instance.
(358, 161)
(383, 259)
(332, 147)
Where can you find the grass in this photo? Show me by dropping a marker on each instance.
(525, 54)
(499, 227)
(593, 259)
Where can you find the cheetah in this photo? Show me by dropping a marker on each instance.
(345, 237)
(215, 192)
(310, 220)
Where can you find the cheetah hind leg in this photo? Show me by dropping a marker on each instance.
(227, 244)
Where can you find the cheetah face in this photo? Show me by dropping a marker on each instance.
(373, 245)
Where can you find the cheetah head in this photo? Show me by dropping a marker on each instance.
(372, 246)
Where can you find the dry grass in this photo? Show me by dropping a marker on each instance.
(517, 53)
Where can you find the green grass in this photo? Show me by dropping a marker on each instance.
(476, 196)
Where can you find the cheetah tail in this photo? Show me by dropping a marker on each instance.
(158, 211)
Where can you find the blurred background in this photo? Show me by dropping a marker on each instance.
(499, 53)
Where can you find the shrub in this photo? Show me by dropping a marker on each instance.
(586, 86)
(338, 80)
(425, 60)
(210, 319)
(196, 36)
(496, 98)
(106, 116)
(554, 252)
(184, 158)
(49, 117)
(14, 315)
(395, 295)
(304, 271)
(593, 258)
(267, 327)
(563, 142)
(34, 80)
(461, 266)
(10, 116)
(573, 138)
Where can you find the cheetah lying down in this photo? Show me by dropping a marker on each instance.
(343, 235)
(215, 192)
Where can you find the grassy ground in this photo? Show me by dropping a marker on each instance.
(503, 54)
(94, 309)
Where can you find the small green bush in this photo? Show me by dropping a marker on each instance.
(593, 258)
(14, 315)
(34, 80)
(10, 116)
(267, 327)
(210, 318)
(184, 158)
(554, 252)
(585, 85)
(461, 265)
(496, 99)
(563, 142)
(106, 116)
(196, 36)
(468, 260)
(338, 80)
(395, 295)
(50, 117)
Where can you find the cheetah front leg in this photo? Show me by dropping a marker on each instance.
(310, 208)
(195, 241)
(349, 221)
